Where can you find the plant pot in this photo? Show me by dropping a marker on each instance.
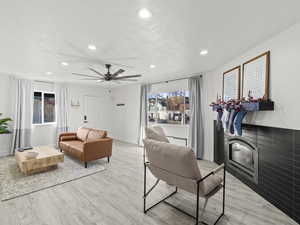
(5, 144)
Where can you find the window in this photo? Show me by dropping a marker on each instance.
(43, 107)
(169, 108)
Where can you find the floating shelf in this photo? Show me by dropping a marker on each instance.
(250, 106)
(258, 106)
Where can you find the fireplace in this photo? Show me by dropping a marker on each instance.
(243, 158)
(269, 164)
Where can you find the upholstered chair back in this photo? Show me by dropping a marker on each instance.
(156, 133)
(177, 165)
(173, 164)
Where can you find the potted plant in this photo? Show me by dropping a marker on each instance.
(5, 136)
(4, 125)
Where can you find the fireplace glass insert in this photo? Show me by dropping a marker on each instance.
(244, 157)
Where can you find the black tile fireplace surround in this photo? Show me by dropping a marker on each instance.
(278, 175)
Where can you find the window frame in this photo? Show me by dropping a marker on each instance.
(42, 105)
(156, 111)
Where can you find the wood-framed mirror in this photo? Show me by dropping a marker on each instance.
(255, 78)
(231, 84)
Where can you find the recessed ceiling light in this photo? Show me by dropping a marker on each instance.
(152, 66)
(64, 64)
(203, 52)
(144, 13)
(92, 47)
(49, 73)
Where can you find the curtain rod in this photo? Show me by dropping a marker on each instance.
(167, 81)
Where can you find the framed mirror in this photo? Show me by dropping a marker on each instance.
(256, 77)
(231, 84)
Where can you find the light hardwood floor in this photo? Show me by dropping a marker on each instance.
(115, 197)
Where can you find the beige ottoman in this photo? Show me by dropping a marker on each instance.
(47, 158)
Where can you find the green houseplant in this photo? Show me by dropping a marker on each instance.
(4, 125)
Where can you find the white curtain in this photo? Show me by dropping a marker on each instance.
(145, 89)
(22, 115)
(62, 108)
(196, 130)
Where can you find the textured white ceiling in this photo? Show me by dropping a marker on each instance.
(37, 35)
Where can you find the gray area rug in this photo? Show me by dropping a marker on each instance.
(14, 184)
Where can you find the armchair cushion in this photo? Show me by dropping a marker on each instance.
(68, 138)
(96, 134)
(82, 133)
(74, 148)
(156, 133)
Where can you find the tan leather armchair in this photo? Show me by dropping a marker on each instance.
(177, 166)
(86, 144)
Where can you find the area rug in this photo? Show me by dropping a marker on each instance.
(14, 184)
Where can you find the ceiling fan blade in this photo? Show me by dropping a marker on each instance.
(84, 75)
(90, 68)
(118, 72)
(91, 79)
(125, 79)
(131, 76)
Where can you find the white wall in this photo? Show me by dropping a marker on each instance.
(5, 95)
(125, 125)
(76, 114)
(284, 85)
(46, 134)
(6, 109)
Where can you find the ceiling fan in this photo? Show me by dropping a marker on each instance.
(108, 76)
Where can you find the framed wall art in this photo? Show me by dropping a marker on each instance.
(231, 84)
(255, 78)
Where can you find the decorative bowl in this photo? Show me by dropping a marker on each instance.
(31, 155)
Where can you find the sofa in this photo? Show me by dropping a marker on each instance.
(86, 144)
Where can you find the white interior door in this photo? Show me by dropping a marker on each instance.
(95, 112)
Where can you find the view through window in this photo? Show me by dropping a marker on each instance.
(43, 107)
(169, 108)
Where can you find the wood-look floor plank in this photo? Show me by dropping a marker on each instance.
(114, 196)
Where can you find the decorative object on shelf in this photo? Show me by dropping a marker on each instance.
(4, 125)
(231, 114)
(255, 79)
(231, 84)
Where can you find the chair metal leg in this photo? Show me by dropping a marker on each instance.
(224, 182)
(197, 201)
(204, 207)
(108, 159)
(85, 164)
(145, 170)
(197, 205)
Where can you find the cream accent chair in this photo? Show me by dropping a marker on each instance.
(177, 166)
